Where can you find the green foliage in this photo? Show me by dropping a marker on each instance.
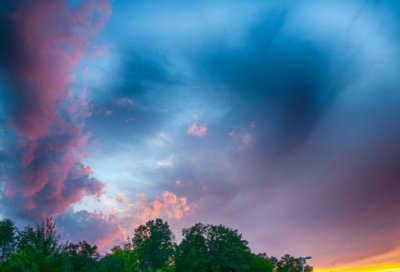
(261, 263)
(154, 244)
(112, 263)
(122, 258)
(204, 248)
(82, 256)
(8, 235)
(169, 266)
(38, 250)
(290, 264)
(192, 253)
(209, 248)
(4, 267)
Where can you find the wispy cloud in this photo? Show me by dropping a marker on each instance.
(124, 100)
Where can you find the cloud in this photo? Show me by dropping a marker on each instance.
(124, 100)
(100, 51)
(106, 229)
(121, 200)
(124, 93)
(43, 43)
(195, 130)
(246, 139)
(94, 227)
(173, 206)
(163, 163)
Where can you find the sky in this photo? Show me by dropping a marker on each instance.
(276, 118)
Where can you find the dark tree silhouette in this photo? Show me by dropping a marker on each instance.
(154, 244)
(204, 248)
(291, 264)
(82, 255)
(38, 249)
(8, 237)
(212, 248)
(122, 258)
(262, 263)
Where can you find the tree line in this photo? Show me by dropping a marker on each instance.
(204, 248)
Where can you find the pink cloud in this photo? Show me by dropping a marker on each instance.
(253, 124)
(195, 130)
(173, 206)
(121, 200)
(106, 229)
(142, 198)
(53, 39)
(195, 116)
(232, 133)
(109, 241)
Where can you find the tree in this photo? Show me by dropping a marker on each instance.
(290, 264)
(272, 259)
(111, 263)
(209, 248)
(204, 248)
(192, 253)
(262, 263)
(153, 243)
(82, 255)
(38, 250)
(8, 237)
(122, 258)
